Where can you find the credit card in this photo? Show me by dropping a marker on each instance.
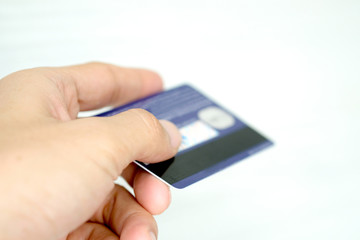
(212, 137)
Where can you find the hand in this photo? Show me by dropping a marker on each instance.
(57, 172)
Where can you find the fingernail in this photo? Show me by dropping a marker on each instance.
(153, 236)
(173, 132)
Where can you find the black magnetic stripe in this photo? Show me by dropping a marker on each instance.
(205, 156)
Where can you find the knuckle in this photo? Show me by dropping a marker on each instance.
(151, 125)
(153, 138)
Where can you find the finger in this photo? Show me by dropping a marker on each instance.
(153, 194)
(92, 231)
(132, 135)
(100, 84)
(63, 91)
(126, 217)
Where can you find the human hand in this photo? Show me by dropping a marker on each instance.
(57, 172)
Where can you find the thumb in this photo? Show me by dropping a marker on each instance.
(70, 167)
(105, 146)
(132, 135)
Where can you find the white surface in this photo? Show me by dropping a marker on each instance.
(289, 68)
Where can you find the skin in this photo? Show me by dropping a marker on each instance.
(57, 172)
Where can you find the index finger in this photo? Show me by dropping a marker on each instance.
(64, 91)
(100, 84)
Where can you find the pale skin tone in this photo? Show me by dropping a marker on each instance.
(57, 172)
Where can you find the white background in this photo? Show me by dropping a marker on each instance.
(291, 69)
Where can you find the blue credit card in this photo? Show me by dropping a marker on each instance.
(212, 137)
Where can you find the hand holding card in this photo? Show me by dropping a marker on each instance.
(212, 137)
